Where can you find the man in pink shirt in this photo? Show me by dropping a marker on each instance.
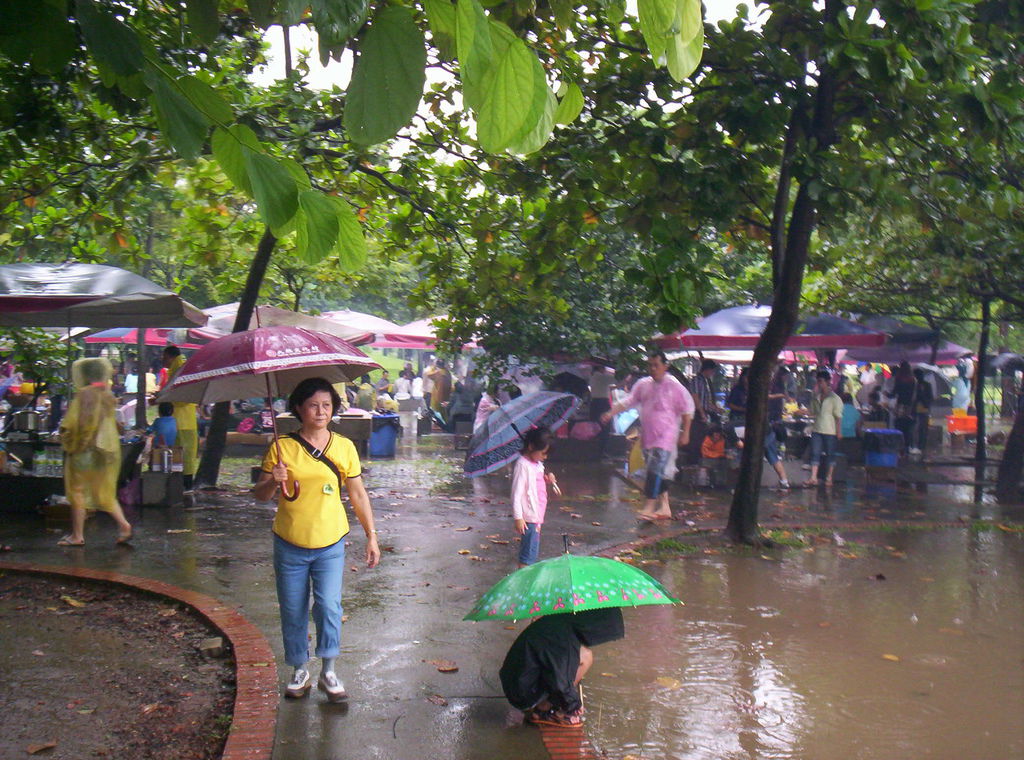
(666, 411)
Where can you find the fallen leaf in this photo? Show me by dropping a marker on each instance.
(71, 601)
(344, 618)
(927, 580)
(147, 709)
(609, 675)
(437, 699)
(510, 627)
(86, 711)
(824, 625)
(463, 530)
(476, 558)
(668, 683)
(495, 535)
(179, 530)
(443, 666)
(890, 657)
(596, 524)
(354, 568)
(464, 551)
(39, 653)
(575, 516)
(499, 541)
(32, 749)
(167, 612)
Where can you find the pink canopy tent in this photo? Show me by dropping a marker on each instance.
(418, 334)
(154, 336)
(222, 322)
(740, 327)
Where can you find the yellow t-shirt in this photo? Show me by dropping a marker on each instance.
(317, 517)
(184, 414)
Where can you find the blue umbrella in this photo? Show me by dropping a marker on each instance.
(500, 438)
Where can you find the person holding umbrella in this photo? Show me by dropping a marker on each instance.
(542, 671)
(310, 468)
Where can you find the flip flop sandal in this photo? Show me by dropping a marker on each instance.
(554, 718)
(66, 541)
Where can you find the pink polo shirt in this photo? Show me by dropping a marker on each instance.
(662, 406)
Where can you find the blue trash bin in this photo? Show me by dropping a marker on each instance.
(384, 435)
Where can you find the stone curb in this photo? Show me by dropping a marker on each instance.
(610, 552)
(254, 718)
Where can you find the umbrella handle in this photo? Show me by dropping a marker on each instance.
(277, 442)
(294, 495)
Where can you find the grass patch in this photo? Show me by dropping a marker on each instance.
(667, 548)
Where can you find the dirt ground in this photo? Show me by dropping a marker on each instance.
(122, 675)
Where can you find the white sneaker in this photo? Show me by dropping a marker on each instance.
(330, 683)
(914, 451)
(783, 485)
(300, 684)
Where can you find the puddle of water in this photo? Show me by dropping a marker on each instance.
(812, 656)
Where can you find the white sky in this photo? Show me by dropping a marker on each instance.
(338, 72)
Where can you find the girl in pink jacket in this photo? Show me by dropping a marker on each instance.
(529, 492)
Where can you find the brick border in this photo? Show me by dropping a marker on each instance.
(254, 719)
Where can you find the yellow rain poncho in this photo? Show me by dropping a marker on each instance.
(185, 415)
(88, 433)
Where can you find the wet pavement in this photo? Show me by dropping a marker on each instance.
(446, 540)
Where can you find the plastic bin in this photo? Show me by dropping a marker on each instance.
(384, 435)
(883, 441)
(880, 459)
(956, 423)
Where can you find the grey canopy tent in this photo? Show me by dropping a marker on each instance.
(73, 294)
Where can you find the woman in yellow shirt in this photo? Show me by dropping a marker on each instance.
(310, 529)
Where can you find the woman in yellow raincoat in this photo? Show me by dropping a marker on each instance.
(90, 438)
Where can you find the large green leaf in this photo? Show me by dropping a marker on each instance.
(537, 138)
(227, 150)
(387, 80)
(657, 18)
(689, 19)
(273, 187)
(38, 33)
(441, 17)
(182, 124)
(206, 99)
(337, 22)
(476, 53)
(571, 104)
(203, 19)
(684, 57)
(110, 40)
(262, 12)
(514, 92)
(318, 232)
(351, 247)
(292, 11)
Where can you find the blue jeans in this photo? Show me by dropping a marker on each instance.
(827, 443)
(529, 547)
(771, 447)
(296, 570)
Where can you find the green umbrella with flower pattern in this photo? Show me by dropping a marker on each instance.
(569, 584)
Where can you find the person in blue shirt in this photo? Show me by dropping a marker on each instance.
(851, 417)
(164, 428)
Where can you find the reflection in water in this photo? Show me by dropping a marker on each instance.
(813, 657)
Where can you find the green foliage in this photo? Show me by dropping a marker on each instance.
(39, 355)
(387, 79)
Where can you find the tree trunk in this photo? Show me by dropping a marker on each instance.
(742, 526)
(217, 434)
(1011, 468)
(1008, 402)
(979, 385)
(140, 340)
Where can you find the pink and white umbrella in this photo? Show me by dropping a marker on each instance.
(267, 361)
